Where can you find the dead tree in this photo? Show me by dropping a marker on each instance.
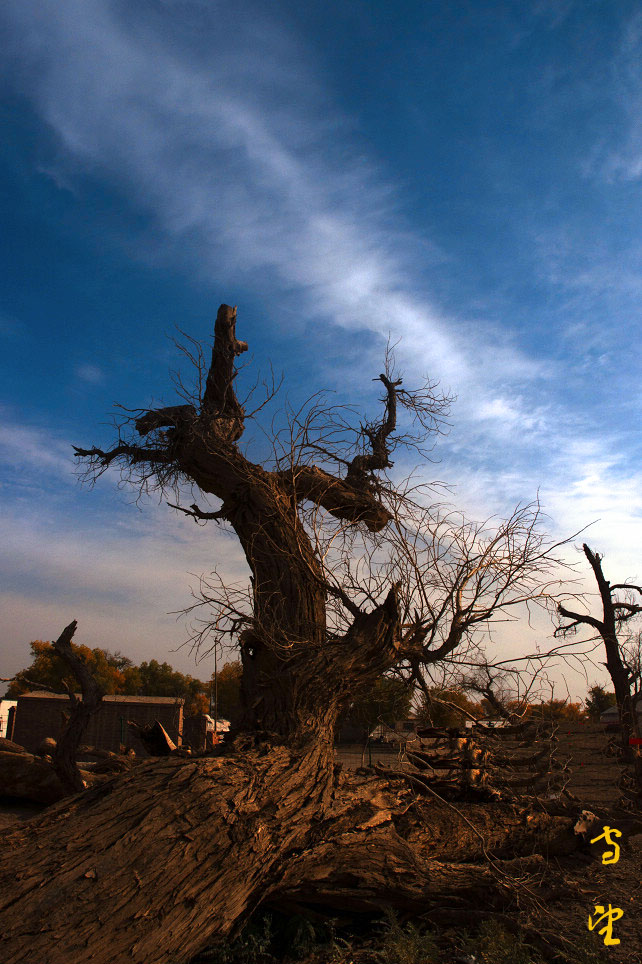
(617, 611)
(36, 779)
(81, 712)
(158, 862)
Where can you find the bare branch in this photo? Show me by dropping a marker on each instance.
(198, 514)
(131, 454)
(578, 619)
(626, 585)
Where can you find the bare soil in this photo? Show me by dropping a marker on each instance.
(13, 811)
(594, 778)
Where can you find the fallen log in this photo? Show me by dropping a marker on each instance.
(28, 777)
(155, 864)
(8, 746)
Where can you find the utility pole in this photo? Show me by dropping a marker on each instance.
(216, 692)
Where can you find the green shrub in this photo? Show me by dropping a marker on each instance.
(496, 945)
(278, 938)
(251, 947)
(405, 944)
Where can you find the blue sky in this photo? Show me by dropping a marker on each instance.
(465, 176)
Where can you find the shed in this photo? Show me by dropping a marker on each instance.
(612, 714)
(39, 715)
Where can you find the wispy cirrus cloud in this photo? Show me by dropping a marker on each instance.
(124, 575)
(30, 448)
(91, 374)
(121, 572)
(620, 155)
(247, 171)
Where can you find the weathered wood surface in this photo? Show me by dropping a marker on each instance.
(156, 863)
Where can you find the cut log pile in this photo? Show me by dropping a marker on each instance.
(487, 761)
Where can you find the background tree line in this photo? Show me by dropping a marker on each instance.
(117, 674)
(388, 700)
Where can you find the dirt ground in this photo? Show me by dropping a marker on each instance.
(581, 881)
(594, 775)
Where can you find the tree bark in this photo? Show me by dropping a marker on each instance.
(150, 866)
(158, 863)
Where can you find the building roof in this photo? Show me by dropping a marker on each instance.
(613, 712)
(117, 698)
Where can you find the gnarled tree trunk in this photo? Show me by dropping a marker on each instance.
(151, 865)
(156, 863)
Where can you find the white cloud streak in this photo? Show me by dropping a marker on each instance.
(248, 170)
(33, 449)
(243, 161)
(123, 580)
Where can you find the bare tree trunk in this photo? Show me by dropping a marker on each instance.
(65, 754)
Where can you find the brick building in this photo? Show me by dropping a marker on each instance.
(41, 714)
